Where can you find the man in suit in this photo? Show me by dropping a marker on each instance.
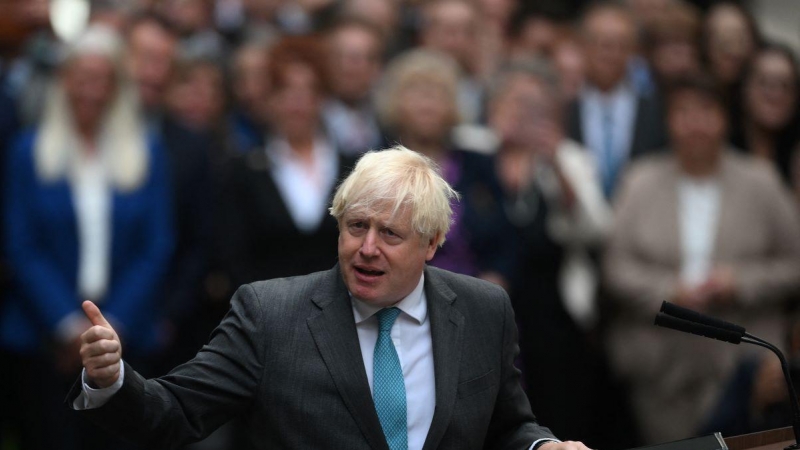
(612, 116)
(379, 352)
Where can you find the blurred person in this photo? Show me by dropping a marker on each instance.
(386, 16)
(277, 195)
(250, 86)
(611, 117)
(709, 230)
(570, 62)
(672, 43)
(452, 27)
(554, 200)
(355, 48)
(87, 214)
(768, 125)
(194, 184)
(151, 62)
(418, 106)
(730, 36)
(532, 34)
(31, 60)
(193, 21)
(196, 98)
(13, 33)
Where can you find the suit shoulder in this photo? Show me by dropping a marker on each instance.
(469, 288)
(294, 285)
(758, 173)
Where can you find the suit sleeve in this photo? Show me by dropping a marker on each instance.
(513, 425)
(197, 397)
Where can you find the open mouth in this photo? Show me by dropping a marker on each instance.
(370, 273)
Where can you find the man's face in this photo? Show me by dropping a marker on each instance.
(453, 29)
(355, 63)
(609, 43)
(151, 57)
(382, 258)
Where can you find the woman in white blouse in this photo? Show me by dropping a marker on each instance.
(87, 217)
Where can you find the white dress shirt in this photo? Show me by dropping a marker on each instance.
(91, 196)
(411, 335)
(698, 203)
(305, 190)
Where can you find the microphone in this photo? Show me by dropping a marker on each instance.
(700, 329)
(688, 321)
(694, 316)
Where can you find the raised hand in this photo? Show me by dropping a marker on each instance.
(101, 350)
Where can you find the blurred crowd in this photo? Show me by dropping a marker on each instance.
(609, 156)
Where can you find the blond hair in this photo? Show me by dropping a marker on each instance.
(399, 178)
(122, 138)
(419, 65)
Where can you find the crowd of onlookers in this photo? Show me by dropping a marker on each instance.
(609, 156)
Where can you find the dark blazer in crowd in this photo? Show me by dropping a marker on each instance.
(649, 130)
(262, 240)
(481, 238)
(193, 198)
(287, 359)
(9, 126)
(41, 238)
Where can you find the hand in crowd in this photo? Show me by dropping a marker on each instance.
(567, 445)
(719, 288)
(101, 350)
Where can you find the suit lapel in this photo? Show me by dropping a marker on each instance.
(334, 331)
(447, 326)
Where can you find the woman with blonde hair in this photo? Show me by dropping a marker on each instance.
(87, 217)
(419, 106)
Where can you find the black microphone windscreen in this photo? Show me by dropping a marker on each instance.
(699, 329)
(694, 316)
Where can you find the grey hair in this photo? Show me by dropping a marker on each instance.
(395, 179)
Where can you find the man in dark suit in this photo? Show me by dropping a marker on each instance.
(379, 352)
(615, 119)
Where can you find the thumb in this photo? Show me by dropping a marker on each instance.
(94, 315)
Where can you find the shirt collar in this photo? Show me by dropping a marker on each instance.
(414, 305)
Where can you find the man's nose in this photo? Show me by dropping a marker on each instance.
(369, 246)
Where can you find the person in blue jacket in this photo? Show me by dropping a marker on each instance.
(87, 216)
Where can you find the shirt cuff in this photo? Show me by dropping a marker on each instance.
(541, 441)
(90, 398)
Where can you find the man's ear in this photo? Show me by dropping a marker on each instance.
(431, 246)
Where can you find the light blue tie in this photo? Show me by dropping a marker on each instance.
(610, 163)
(388, 388)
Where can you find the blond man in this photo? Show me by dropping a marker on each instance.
(379, 352)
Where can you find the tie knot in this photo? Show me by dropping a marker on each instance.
(386, 318)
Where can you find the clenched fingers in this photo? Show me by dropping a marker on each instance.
(100, 347)
(97, 333)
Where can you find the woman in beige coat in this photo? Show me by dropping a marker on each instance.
(709, 230)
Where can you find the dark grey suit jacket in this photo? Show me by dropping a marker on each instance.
(287, 359)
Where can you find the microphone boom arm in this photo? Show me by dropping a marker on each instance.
(750, 339)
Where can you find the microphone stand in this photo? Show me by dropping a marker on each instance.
(750, 339)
